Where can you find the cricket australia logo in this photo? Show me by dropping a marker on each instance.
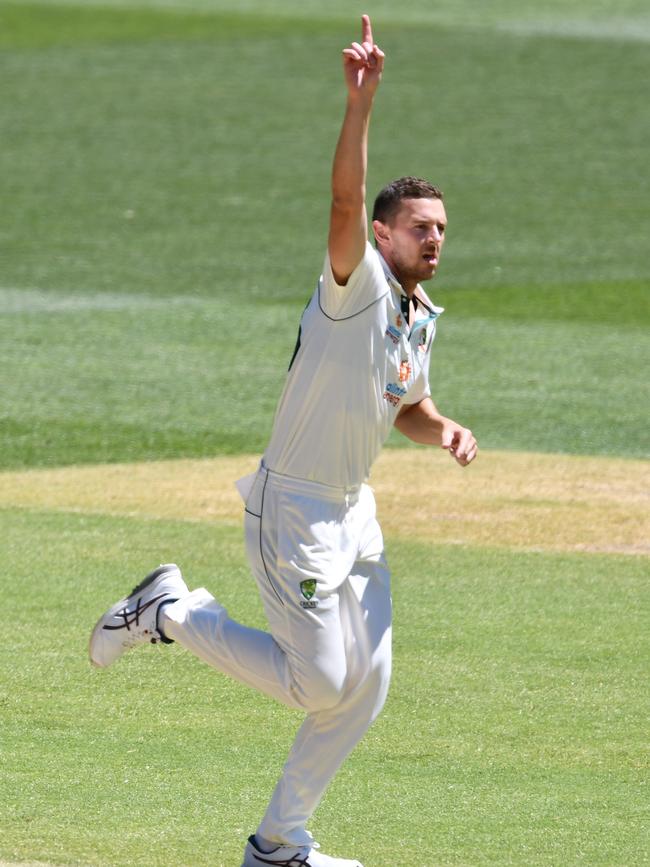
(308, 588)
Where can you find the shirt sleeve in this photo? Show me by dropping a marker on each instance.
(420, 388)
(366, 284)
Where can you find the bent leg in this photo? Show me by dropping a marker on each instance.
(328, 654)
(301, 662)
(328, 736)
(307, 674)
(201, 625)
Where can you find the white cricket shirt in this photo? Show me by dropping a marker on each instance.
(356, 364)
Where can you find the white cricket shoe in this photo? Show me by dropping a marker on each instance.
(134, 619)
(292, 856)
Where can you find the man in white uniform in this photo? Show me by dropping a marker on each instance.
(360, 366)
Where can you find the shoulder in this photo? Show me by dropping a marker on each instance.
(366, 284)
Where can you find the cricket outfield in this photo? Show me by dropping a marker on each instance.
(516, 720)
(165, 179)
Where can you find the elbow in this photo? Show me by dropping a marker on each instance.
(400, 423)
(347, 200)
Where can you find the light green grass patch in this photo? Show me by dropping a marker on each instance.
(103, 378)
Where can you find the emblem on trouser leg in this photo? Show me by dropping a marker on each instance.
(308, 588)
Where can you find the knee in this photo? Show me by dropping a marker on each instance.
(323, 690)
(379, 699)
(327, 690)
(376, 683)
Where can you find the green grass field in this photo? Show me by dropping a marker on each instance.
(516, 730)
(157, 164)
(164, 186)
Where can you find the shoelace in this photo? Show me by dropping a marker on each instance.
(132, 618)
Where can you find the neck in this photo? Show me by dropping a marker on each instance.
(409, 285)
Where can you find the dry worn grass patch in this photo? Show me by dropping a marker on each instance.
(507, 499)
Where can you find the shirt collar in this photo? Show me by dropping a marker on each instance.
(421, 295)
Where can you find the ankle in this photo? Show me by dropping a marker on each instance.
(263, 845)
(162, 621)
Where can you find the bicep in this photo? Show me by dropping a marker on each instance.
(423, 409)
(348, 236)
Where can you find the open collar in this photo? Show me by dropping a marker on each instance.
(420, 295)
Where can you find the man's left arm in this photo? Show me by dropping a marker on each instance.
(422, 423)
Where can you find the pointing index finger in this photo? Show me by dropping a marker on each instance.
(366, 29)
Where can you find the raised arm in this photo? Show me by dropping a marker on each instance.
(362, 64)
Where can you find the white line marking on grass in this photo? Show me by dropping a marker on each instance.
(625, 28)
(17, 301)
(610, 29)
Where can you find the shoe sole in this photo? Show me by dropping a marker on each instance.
(262, 860)
(270, 863)
(146, 582)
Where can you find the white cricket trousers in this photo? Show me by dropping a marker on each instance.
(317, 554)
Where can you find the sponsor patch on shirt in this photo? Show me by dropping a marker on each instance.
(394, 334)
(404, 371)
(394, 393)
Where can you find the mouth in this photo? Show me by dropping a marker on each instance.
(431, 259)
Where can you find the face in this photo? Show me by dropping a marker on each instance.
(412, 241)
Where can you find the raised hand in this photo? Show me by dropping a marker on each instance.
(363, 63)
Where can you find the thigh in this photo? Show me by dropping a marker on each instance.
(366, 604)
(369, 576)
(299, 551)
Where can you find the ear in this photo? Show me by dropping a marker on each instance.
(381, 231)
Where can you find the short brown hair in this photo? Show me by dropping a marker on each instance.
(388, 201)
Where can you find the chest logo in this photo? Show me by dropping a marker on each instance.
(404, 371)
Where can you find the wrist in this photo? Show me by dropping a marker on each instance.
(360, 101)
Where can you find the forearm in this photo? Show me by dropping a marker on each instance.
(348, 235)
(350, 164)
(422, 423)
